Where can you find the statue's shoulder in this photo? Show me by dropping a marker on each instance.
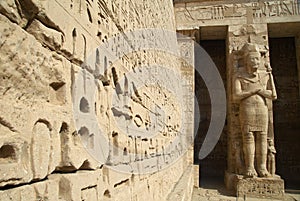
(239, 75)
(237, 78)
(245, 78)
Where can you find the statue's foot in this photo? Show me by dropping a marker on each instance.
(264, 173)
(250, 172)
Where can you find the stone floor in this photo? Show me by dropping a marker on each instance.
(214, 190)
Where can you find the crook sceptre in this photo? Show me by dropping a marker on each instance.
(269, 70)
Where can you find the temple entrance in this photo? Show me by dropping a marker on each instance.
(212, 168)
(286, 110)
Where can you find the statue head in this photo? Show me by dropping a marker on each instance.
(252, 62)
(251, 57)
(270, 142)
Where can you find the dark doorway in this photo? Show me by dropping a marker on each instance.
(286, 110)
(212, 168)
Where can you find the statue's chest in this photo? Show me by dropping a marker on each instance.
(259, 82)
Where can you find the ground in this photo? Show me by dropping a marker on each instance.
(214, 190)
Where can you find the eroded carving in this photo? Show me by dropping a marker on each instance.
(271, 157)
(40, 152)
(38, 84)
(192, 15)
(7, 154)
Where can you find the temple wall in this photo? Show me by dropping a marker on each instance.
(239, 22)
(82, 118)
(192, 15)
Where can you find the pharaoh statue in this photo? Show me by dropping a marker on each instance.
(252, 89)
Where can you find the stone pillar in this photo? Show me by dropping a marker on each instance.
(237, 176)
(186, 45)
(237, 36)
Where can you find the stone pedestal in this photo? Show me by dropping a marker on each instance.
(272, 188)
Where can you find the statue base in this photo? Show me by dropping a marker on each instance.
(256, 187)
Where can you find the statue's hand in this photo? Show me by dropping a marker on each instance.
(255, 91)
(266, 94)
(261, 92)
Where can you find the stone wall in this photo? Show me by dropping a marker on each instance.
(85, 114)
(192, 15)
(239, 22)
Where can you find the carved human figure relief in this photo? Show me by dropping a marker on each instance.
(271, 157)
(252, 88)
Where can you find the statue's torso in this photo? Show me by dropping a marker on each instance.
(253, 109)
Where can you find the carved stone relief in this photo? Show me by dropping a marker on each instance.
(252, 89)
(190, 15)
(251, 149)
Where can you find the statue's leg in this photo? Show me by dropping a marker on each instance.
(249, 149)
(273, 170)
(269, 162)
(261, 147)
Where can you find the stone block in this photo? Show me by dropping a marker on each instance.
(77, 41)
(49, 37)
(40, 152)
(10, 10)
(40, 87)
(272, 188)
(15, 166)
(184, 187)
(32, 71)
(196, 176)
(82, 185)
(73, 155)
(111, 176)
(231, 180)
(45, 190)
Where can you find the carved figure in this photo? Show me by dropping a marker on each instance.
(252, 89)
(271, 157)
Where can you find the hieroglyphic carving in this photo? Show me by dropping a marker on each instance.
(235, 10)
(257, 187)
(275, 8)
(240, 11)
(187, 71)
(73, 29)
